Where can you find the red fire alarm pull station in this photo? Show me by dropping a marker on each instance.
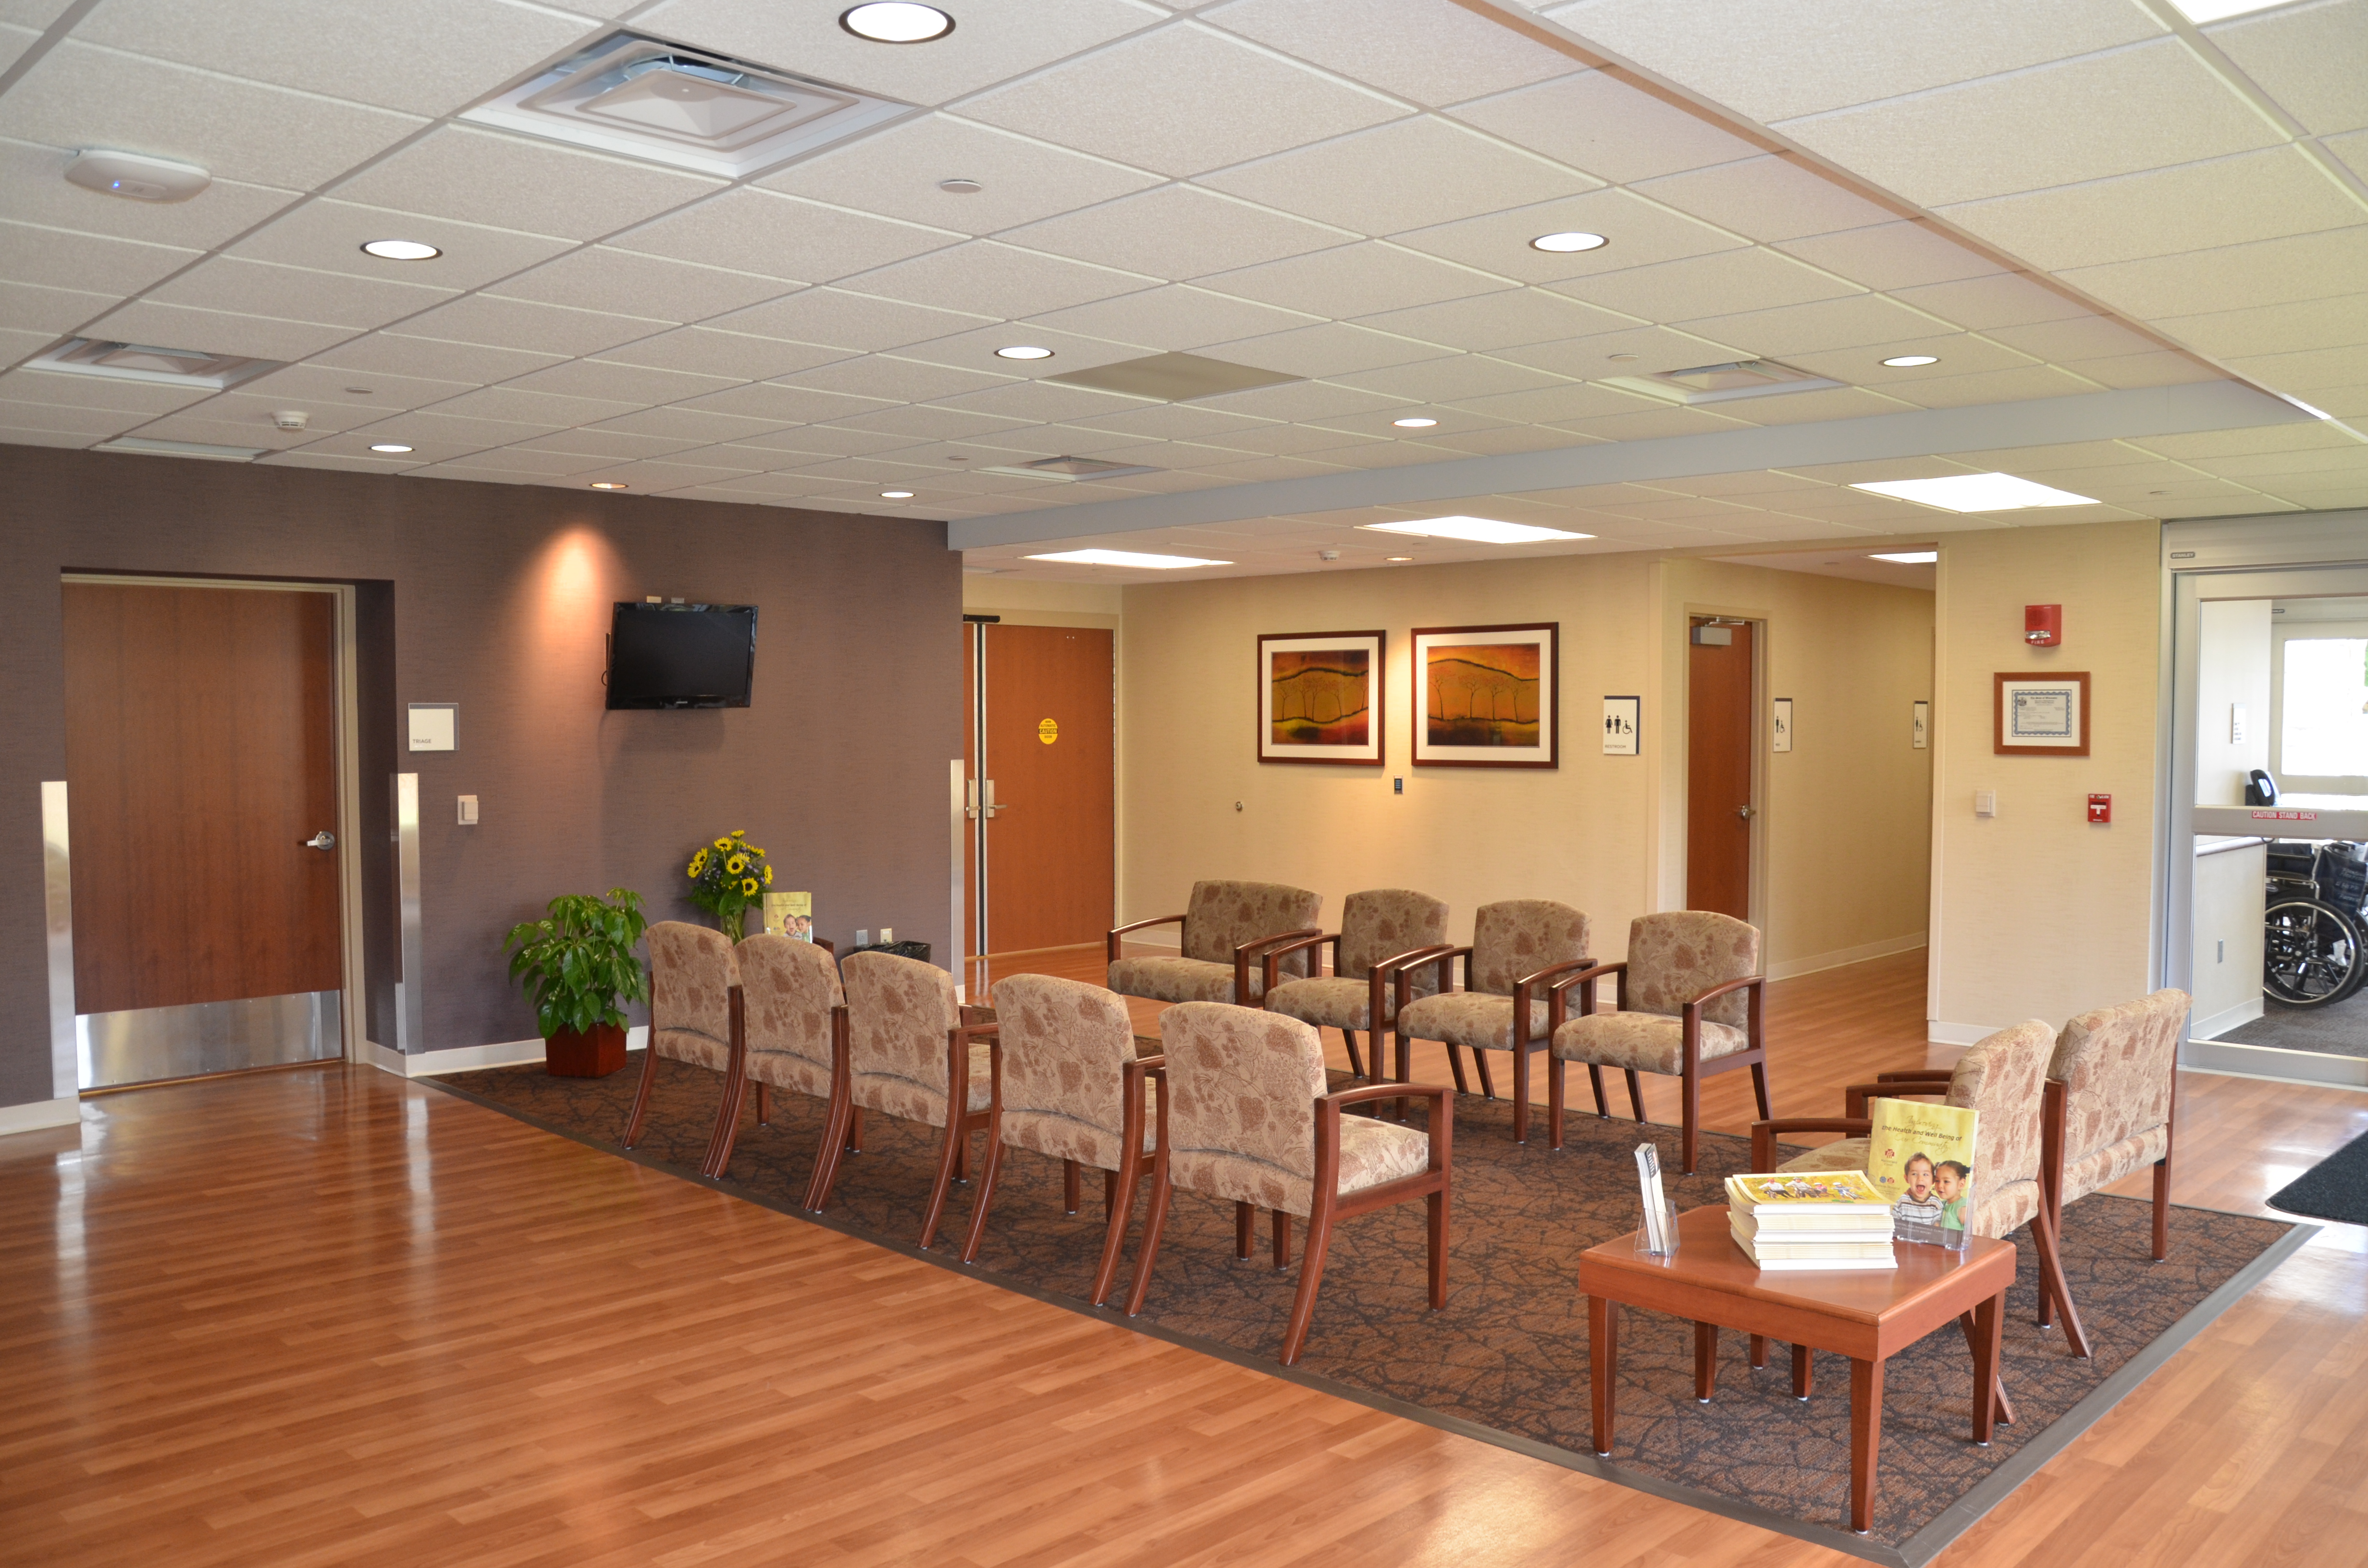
(2042, 625)
(2100, 808)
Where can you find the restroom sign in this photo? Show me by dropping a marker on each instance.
(1048, 732)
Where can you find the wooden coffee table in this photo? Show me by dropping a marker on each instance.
(1868, 1316)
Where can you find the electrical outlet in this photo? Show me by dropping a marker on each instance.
(468, 811)
(1397, 786)
(887, 935)
(862, 938)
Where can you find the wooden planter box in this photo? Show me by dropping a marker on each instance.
(591, 1053)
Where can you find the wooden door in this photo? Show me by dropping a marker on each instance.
(1050, 728)
(1719, 807)
(200, 755)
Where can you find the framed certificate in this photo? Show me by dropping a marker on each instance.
(2043, 715)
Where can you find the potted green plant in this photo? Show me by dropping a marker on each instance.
(727, 878)
(578, 968)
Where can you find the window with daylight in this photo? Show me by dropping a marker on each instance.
(2324, 732)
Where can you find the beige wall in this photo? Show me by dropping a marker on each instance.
(1586, 832)
(2037, 913)
(2232, 670)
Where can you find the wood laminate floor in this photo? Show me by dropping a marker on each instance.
(325, 1317)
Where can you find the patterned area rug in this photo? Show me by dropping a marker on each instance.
(1508, 1358)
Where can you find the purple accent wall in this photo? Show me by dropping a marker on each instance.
(497, 597)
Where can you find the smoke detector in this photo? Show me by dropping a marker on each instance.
(290, 419)
(1723, 384)
(143, 362)
(136, 176)
(645, 98)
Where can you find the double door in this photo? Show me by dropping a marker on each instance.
(1041, 787)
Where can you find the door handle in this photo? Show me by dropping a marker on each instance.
(989, 805)
(1743, 811)
(970, 799)
(324, 839)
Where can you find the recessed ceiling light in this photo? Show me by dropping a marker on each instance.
(1414, 423)
(896, 495)
(1902, 361)
(1976, 493)
(402, 250)
(1023, 351)
(2221, 10)
(1127, 558)
(389, 447)
(1573, 240)
(1904, 557)
(959, 187)
(1478, 530)
(1399, 560)
(609, 484)
(896, 21)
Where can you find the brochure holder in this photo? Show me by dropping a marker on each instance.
(1657, 1236)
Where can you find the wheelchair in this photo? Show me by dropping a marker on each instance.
(2314, 950)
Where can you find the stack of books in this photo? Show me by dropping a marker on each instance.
(1813, 1219)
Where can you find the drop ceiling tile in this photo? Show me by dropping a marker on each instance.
(480, 177)
(997, 39)
(82, 95)
(1639, 231)
(2139, 107)
(1455, 378)
(777, 405)
(1894, 256)
(34, 177)
(181, 326)
(1792, 57)
(1329, 348)
(1409, 173)
(806, 443)
(1765, 198)
(518, 324)
(324, 417)
(1493, 441)
(84, 424)
(836, 318)
(422, 360)
(15, 42)
(730, 356)
(2273, 468)
(2308, 58)
(1725, 282)
(996, 279)
(657, 476)
(445, 432)
(777, 486)
(1177, 231)
(1304, 440)
(547, 409)
(451, 470)
(1503, 320)
(2308, 371)
(1355, 280)
(1980, 303)
(1601, 126)
(1810, 407)
(355, 50)
(2265, 272)
(343, 463)
(1959, 354)
(1173, 319)
(2254, 196)
(67, 391)
(869, 471)
(637, 384)
(29, 308)
(524, 459)
(1328, 403)
(1827, 324)
(1651, 424)
(1565, 404)
(1181, 100)
(1258, 471)
(1655, 348)
(58, 258)
(613, 446)
(975, 350)
(296, 293)
(2352, 149)
(1993, 386)
(2206, 447)
(2088, 337)
(1172, 421)
(1433, 51)
(599, 278)
(2274, 329)
(782, 236)
(895, 172)
(895, 380)
(689, 424)
(328, 236)
(1041, 402)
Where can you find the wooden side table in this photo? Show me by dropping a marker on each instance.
(1868, 1316)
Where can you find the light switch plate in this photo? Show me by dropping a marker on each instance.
(2236, 724)
(887, 935)
(432, 726)
(1985, 803)
(468, 811)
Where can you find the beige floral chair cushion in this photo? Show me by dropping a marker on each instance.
(1673, 958)
(899, 1012)
(1065, 1047)
(1375, 924)
(691, 975)
(1219, 917)
(788, 990)
(1510, 939)
(2116, 1065)
(1641, 1043)
(1242, 1088)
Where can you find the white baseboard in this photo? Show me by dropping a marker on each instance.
(469, 1058)
(35, 1115)
(2227, 1018)
(1942, 1032)
(1814, 962)
(2319, 1069)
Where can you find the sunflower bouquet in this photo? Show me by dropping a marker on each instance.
(727, 878)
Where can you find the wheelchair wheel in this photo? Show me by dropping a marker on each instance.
(2312, 953)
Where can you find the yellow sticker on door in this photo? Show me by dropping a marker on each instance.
(1048, 732)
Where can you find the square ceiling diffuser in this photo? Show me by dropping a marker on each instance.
(1173, 378)
(141, 362)
(642, 98)
(1724, 383)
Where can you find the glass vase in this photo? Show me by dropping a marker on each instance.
(734, 921)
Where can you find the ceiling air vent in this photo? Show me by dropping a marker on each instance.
(156, 449)
(646, 98)
(1723, 384)
(1070, 467)
(1173, 378)
(140, 362)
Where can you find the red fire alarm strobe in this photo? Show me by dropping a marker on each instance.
(2100, 808)
(2042, 625)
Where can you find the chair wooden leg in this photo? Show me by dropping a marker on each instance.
(641, 1098)
(2051, 1282)
(1555, 1094)
(1455, 1065)
(1356, 1062)
(1690, 1120)
(1244, 1227)
(2162, 1208)
(1759, 1089)
(1282, 1239)
(828, 1155)
(1635, 1094)
(949, 1153)
(854, 1130)
(727, 1124)
(1487, 1082)
(1437, 1203)
(1595, 1081)
(764, 1106)
(1110, 1194)
(1068, 1187)
(961, 1159)
(1521, 1094)
(989, 1169)
(1311, 1274)
(1122, 1209)
(1154, 1222)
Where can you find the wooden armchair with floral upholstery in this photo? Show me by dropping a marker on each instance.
(695, 1017)
(1381, 930)
(1517, 946)
(1227, 928)
(793, 1034)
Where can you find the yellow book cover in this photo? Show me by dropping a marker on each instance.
(1922, 1156)
(1841, 1191)
(791, 914)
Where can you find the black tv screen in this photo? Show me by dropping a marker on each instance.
(681, 655)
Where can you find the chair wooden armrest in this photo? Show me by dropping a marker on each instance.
(1442, 1131)
(826, 945)
(1855, 1096)
(1524, 989)
(1441, 962)
(1716, 992)
(1110, 941)
(971, 1011)
(1273, 956)
(1244, 953)
(1917, 1075)
(1763, 1133)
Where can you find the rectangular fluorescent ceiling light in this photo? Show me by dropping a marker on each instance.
(2221, 10)
(1478, 530)
(149, 447)
(142, 362)
(1909, 557)
(1127, 558)
(646, 98)
(1976, 493)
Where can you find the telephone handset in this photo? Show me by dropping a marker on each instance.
(2260, 790)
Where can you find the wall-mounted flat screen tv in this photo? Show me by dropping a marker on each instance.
(681, 655)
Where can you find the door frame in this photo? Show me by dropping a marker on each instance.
(1678, 744)
(346, 683)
